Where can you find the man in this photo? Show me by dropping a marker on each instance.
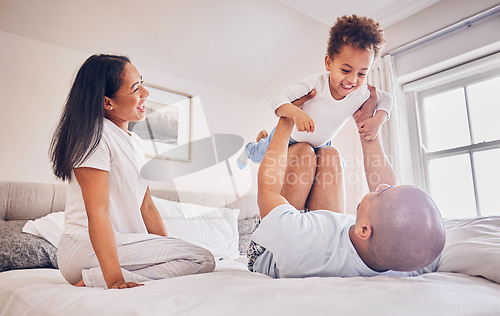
(397, 231)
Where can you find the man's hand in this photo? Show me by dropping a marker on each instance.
(367, 109)
(300, 102)
(371, 127)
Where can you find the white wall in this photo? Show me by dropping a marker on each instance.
(36, 78)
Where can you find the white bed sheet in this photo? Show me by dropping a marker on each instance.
(233, 290)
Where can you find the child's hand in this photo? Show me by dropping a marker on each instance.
(369, 128)
(303, 121)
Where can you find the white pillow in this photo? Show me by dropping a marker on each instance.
(49, 227)
(213, 228)
(472, 247)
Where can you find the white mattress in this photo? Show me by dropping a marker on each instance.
(233, 290)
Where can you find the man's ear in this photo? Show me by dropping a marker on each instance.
(364, 231)
(328, 62)
(107, 104)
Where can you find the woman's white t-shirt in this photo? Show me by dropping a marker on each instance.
(120, 154)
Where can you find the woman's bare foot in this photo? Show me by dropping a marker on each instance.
(80, 283)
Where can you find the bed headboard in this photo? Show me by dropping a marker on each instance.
(30, 200)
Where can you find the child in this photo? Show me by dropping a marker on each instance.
(353, 45)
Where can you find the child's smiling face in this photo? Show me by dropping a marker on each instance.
(348, 70)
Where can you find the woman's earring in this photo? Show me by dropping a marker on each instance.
(110, 108)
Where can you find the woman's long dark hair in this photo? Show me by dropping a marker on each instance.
(80, 128)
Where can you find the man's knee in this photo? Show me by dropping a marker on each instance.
(329, 157)
(301, 155)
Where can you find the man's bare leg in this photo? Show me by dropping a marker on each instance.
(299, 174)
(328, 190)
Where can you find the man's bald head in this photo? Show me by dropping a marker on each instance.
(407, 229)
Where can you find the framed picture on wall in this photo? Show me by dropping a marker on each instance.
(166, 131)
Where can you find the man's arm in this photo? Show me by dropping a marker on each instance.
(272, 168)
(367, 108)
(378, 169)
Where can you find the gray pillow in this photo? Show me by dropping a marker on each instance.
(245, 229)
(20, 250)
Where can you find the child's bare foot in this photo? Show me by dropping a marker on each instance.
(80, 283)
(262, 134)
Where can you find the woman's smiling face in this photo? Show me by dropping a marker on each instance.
(128, 104)
(348, 70)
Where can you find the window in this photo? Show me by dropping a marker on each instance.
(459, 135)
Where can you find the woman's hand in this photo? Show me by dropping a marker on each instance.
(124, 285)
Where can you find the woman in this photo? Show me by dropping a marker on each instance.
(114, 236)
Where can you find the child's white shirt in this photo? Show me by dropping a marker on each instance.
(328, 114)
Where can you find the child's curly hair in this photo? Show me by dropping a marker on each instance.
(358, 32)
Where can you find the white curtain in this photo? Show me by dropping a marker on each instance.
(382, 76)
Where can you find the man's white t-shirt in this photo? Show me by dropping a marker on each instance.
(120, 154)
(328, 114)
(312, 244)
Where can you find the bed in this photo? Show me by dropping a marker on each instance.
(467, 282)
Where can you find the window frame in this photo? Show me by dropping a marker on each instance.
(462, 76)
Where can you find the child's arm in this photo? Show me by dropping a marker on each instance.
(294, 111)
(285, 99)
(302, 120)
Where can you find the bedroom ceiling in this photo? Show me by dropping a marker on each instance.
(248, 46)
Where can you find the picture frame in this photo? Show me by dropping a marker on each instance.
(166, 131)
